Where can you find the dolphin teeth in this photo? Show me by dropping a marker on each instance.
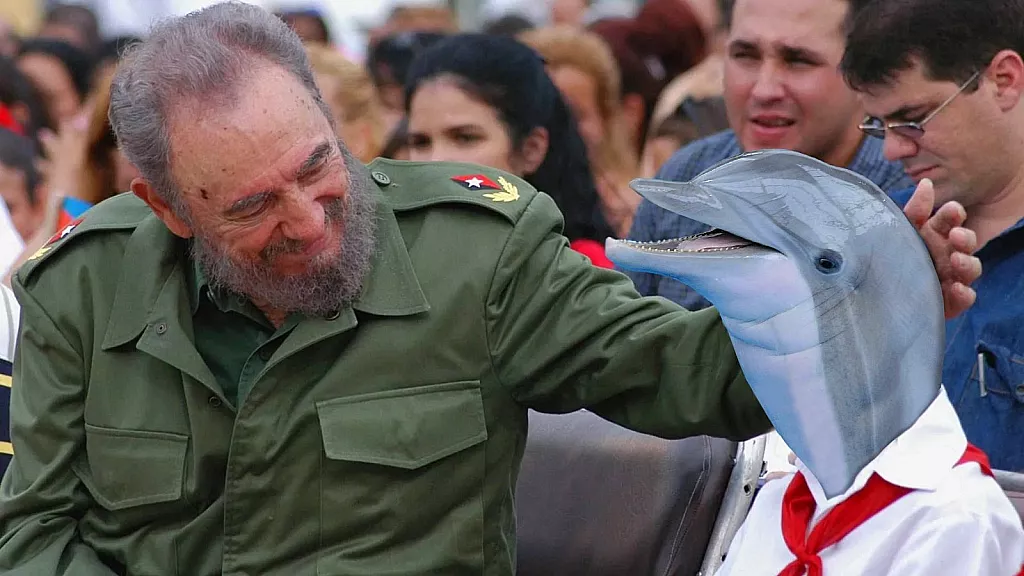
(709, 233)
(646, 247)
(661, 246)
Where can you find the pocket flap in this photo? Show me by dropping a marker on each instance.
(406, 428)
(1008, 367)
(134, 467)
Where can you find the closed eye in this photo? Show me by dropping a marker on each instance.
(316, 161)
(249, 206)
(801, 57)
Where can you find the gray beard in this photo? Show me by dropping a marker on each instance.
(331, 283)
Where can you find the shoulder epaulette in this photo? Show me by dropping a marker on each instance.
(122, 212)
(413, 185)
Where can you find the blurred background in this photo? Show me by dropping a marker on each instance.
(576, 96)
(352, 21)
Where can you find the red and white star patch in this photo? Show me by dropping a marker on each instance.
(476, 182)
(65, 231)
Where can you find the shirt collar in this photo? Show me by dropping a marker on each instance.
(1014, 228)
(901, 197)
(918, 459)
(199, 286)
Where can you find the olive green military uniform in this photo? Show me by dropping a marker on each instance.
(163, 429)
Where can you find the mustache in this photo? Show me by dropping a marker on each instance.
(334, 211)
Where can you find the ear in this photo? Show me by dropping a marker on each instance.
(534, 149)
(145, 191)
(1006, 73)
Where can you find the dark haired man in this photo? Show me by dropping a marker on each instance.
(942, 82)
(782, 89)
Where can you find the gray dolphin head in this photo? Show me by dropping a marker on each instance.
(827, 291)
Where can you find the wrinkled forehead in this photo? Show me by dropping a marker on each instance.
(271, 123)
(803, 24)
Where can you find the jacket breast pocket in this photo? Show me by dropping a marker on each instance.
(1000, 371)
(402, 476)
(128, 468)
(991, 409)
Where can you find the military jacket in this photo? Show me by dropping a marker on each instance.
(384, 439)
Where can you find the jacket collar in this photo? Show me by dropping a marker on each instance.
(156, 261)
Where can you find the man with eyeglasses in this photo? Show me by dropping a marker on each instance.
(782, 89)
(942, 82)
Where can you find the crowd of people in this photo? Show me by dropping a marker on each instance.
(535, 93)
(216, 125)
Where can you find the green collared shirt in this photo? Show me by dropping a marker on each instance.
(234, 337)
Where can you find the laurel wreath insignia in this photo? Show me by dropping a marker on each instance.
(509, 192)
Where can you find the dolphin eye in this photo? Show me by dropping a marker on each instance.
(829, 262)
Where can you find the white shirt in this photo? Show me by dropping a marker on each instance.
(776, 455)
(957, 522)
(11, 243)
(9, 315)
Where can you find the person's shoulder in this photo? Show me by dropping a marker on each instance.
(700, 155)
(901, 196)
(117, 217)
(966, 495)
(410, 186)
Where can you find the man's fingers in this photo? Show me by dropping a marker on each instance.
(948, 217)
(963, 240)
(920, 205)
(957, 298)
(967, 269)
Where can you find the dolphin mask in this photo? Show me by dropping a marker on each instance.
(827, 291)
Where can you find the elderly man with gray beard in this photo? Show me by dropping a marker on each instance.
(270, 359)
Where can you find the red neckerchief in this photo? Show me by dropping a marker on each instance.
(798, 508)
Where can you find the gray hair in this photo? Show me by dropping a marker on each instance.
(202, 56)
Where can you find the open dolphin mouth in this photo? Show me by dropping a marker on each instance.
(714, 241)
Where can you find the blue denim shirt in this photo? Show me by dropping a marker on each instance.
(653, 223)
(983, 369)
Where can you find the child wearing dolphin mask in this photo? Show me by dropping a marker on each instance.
(835, 312)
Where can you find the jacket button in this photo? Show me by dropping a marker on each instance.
(334, 315)
(161, 328)
(214, 402)
(381, 178)
(1020, 390)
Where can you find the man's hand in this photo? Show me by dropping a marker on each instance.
(951, 246)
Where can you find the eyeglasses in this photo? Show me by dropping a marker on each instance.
(876, 127)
